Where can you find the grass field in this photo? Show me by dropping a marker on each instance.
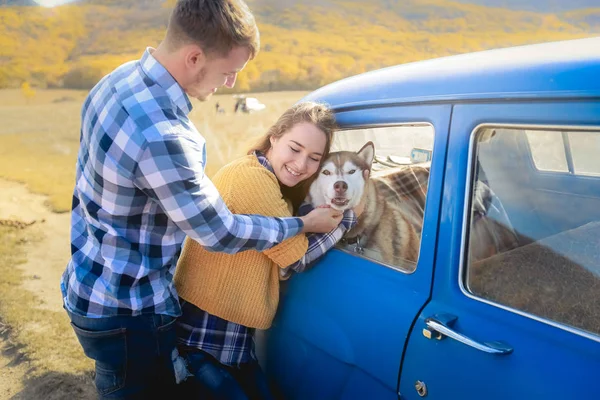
(37, 339)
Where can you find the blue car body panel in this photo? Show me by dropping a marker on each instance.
(568, 69)
(351, 328)
(548, 361)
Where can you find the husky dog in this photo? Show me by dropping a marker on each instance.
(390, 226)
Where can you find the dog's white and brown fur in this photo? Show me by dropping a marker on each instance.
(391, 223)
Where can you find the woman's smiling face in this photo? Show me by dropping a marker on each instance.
(296, 155)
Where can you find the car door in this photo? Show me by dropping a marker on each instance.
(523, 323)
(342, 326)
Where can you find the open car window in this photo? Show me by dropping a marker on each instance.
(399, 182)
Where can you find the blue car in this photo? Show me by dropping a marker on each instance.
(504, 299)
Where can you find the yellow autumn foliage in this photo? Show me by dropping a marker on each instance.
(303, 46)
(27, 91)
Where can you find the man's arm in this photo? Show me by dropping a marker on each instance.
(320, 243)
(171, 172)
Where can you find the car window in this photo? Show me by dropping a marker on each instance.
(585, 162)
(389, 231)
(555, 150)
(547, 150)
(533, 240)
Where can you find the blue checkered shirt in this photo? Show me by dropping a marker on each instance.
(231, 343)
(140, 189)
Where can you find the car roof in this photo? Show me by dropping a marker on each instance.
(550, 70)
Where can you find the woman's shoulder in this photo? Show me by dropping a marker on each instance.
(245, 169)
(249, 188)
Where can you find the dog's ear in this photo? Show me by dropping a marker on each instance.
(367, 153)
(366, 174)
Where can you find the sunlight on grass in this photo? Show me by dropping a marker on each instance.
(39, 163)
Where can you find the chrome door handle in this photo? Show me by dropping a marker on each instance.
(439, 326)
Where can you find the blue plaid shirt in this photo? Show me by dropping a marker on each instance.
(231, 343)
(140, 189)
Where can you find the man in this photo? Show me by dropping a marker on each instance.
(140, 189)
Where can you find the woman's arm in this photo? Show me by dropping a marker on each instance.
(319, 243)
(252, 189)
(260, 194)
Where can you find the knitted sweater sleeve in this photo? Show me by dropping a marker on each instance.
(252, 189)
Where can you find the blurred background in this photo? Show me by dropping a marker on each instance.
(53, 51)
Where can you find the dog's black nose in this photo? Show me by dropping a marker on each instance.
(340, 186)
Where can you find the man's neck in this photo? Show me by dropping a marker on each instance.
(166, 59)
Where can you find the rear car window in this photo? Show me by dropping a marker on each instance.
(532, 240)
(564, 151)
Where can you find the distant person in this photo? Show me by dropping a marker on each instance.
(218, 108)
(226, 297)
(141, 188)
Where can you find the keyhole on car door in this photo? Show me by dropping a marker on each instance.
(421, 388)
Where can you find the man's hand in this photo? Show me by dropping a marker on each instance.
(321, 220)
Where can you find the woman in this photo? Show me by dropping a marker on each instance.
(225, 297)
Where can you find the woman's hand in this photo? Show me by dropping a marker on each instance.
(321, 220)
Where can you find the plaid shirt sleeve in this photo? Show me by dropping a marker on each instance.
(171, 172)
(319, 243)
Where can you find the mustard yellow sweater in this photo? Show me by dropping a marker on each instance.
(244, 287)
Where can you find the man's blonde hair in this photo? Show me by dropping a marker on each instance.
(217, 26)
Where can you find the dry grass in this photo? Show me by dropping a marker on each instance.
(39, 139)
(229, 135)
(39, 338)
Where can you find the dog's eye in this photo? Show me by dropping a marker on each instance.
(351, 171)
(325, 172)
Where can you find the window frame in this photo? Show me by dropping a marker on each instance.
(466, 222)
(361, 255)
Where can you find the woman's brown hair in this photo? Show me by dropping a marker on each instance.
(315, 113)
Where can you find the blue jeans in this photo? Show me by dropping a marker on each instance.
(132, 354)
(213, 380)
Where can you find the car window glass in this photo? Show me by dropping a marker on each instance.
(533, 238)
(389, 231)
(585, 150)
(547, 150)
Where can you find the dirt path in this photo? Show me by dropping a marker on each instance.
(47, 259)
(11, 371)
(45, 262)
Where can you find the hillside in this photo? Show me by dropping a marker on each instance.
(304, 44)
